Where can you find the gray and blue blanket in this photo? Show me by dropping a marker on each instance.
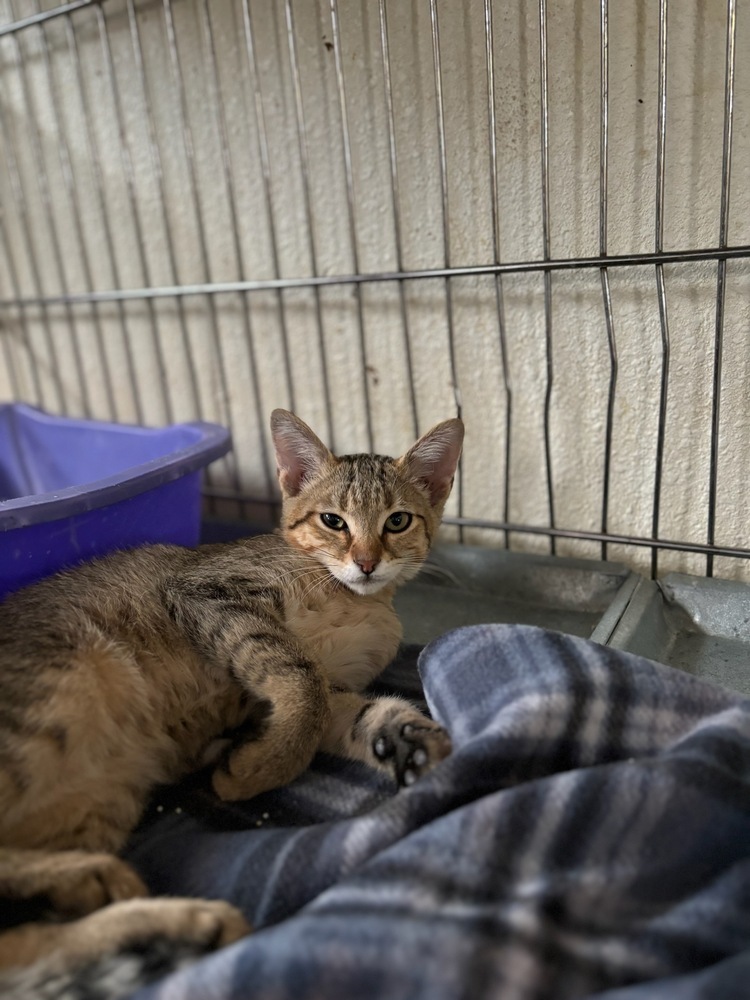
(588, 837)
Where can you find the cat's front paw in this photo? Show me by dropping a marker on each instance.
(412, 748)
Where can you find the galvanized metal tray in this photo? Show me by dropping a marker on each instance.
(468, 585)
(699, 625)
(695, 624)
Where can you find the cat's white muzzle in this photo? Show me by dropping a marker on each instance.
(362, 583)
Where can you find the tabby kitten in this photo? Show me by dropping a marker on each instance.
(135, 669)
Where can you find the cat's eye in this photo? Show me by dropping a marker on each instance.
(333, 521)
(399, 521)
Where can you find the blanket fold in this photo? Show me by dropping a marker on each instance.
(589, 836)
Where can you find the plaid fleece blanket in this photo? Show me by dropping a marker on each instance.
(589, 837)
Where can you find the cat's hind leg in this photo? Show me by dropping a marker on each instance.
(387, 733)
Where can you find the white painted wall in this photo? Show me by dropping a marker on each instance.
(68, 227)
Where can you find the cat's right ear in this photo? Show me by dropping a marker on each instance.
(433, 459)
(300, 454)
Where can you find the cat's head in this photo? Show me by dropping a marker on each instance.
(368, 519)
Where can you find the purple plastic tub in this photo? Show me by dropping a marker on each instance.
(71, 490)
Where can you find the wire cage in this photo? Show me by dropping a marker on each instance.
(379, 214)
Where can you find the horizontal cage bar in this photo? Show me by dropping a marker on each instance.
(322, 281)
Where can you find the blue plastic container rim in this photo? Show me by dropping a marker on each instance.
(212, 441)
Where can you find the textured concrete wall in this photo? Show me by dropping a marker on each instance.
(113, 175)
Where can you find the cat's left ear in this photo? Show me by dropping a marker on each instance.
(433, 459)
(300, 454)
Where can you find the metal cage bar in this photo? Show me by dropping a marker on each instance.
(228, 178)
(94, 160)
(394, 193)
(158, 175)
(499, 300)
(126, 161)
(73, 197)
(265, 161)
(310, 231)
(43, 16)
(721, 277)
(656, 259)
(546, 254)
(661, 143)
(20, 204)
(14, 284)
(189, 154)
(606, 293)
(351, 219)
(446, 232)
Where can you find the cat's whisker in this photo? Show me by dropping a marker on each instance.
(320, 584)
(299, 573)
(311, 577)
(439, 572)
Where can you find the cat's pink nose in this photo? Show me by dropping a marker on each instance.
(367, 565)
